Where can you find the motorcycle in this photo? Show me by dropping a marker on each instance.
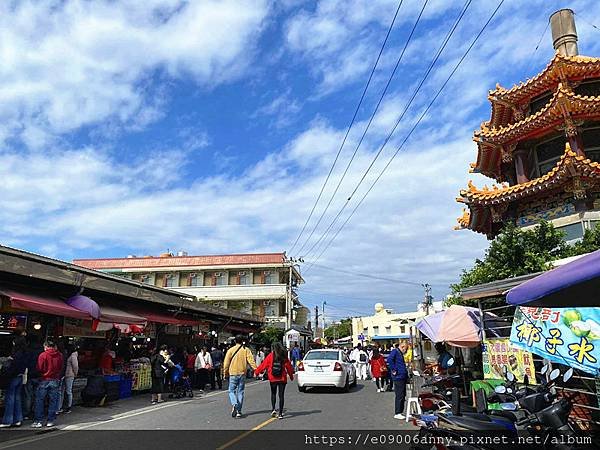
(535, 412)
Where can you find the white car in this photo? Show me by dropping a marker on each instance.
(326, 367)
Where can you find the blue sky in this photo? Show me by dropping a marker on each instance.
(209, 126)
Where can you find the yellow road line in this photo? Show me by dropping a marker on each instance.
(243, 435)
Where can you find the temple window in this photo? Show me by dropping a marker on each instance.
(572, 231)
(538, 103)
(591, 143)
(548, 153)
(589, 88)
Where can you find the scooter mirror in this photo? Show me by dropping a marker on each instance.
(508, 406)
(500, 389)
(567, 375)
(509, 391)
(554, 374)
(450, 362)
(504, 370)
(510, 376)
(544, 369)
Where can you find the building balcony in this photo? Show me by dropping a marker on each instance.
(235, 292)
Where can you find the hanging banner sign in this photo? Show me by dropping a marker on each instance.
(81, 328)
(569, 336)
(500, 353)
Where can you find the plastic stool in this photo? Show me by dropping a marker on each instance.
(412, 401)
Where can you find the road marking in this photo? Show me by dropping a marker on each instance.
(146, 409)
(243, 435)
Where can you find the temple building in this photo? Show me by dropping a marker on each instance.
(542, 146)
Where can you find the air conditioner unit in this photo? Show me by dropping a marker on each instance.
(242, 274)
(219, 274)
(169, 276)
(193, 275)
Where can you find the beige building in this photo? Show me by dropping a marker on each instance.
(262, 284)
(384, 327)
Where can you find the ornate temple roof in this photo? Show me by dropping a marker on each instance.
(483, 203)
(560, 69)
(564, 104)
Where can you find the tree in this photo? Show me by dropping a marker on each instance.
(339, 330)
(512, 253)
(268, 336)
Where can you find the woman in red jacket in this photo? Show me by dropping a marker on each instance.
(278, 368)
(378, 369)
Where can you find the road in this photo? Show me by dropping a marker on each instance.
(133, 421)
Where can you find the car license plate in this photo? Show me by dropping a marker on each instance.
(318, 369)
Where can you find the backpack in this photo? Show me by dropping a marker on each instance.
(276, 368)
(362, 358)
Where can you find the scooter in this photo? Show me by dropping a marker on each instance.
(550, 421)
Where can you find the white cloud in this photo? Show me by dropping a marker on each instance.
(73, 63)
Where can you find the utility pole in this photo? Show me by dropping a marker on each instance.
(428, 301)
(289, 301)
(316, 320)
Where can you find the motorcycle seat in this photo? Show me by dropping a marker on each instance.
(472, 424)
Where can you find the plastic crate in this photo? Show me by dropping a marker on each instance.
(125, 388)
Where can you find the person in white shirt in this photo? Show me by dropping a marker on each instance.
(361, 361)
(203, 365)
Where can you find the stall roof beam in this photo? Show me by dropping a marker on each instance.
(34, 266)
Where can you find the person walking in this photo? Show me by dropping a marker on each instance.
(203, 366)
(216, 377)
(33, 351)
(378, 369)
(399, 376)
(49, 365)
(237, 359)
(278, 368)
(13, 379)
(71, 371)
(296, 355)
(190, 366)
(362, 360)
(160, 363)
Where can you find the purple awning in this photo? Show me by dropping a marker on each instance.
(575, 283)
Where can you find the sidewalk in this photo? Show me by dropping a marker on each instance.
(86, 417)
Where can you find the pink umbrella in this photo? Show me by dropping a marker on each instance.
(459, 326)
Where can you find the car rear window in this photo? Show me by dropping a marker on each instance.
(333, 356)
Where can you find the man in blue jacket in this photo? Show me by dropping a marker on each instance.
(399, 374)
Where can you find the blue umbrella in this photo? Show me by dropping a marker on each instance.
(575, 283)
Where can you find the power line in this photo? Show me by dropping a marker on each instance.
(587, 21)
(389, 81)
(407, 106)
(538, 44)
(349, 126)
(411, 131)
(374, 277)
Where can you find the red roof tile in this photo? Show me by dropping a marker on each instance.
(181, 261)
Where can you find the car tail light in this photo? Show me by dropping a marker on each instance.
(300, 366)
(337, 367)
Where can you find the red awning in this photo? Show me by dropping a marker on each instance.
(44, 305)
(113, 315)
(166, 318)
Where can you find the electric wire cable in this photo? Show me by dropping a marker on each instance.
(349, 126)
(401, 117)
(410, 132)
(389, 81)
